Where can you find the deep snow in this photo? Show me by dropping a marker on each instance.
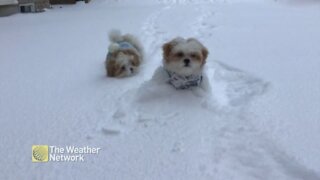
(260, 121)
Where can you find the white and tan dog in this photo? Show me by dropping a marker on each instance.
(183, 63)
(125, 54)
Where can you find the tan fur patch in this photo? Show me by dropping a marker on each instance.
(113, 68)
(167, 48)
(205, 53)
(135, 61)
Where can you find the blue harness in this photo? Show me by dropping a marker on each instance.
(184, 82)
(123, 45)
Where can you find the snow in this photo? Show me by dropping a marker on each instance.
(259, 120)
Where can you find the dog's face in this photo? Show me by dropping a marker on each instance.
(122, 63)
(184, 56)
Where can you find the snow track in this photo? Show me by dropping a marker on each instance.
(153, 39)
(214, 139)
(154, 36)
(205, 136)
(151, 131)
(215, 130)
(201, 27)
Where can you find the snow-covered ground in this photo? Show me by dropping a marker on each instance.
(261, 120)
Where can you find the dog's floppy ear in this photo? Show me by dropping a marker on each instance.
(135, 60)
(204, 50)
(111, 68)
(205, 53)
(167, 47)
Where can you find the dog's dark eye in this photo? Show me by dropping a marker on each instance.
(195, 56)
(180, 54)
(123, 68)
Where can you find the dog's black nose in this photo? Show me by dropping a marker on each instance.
(186, 61)
(131, 69)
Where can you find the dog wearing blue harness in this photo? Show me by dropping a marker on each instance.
(125, 54)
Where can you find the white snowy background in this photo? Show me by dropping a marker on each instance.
(260, 122)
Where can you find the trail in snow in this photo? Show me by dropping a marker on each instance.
(153, 39)
(201, 27)
(148, 130)
(219, 137)
(208, 136)
(153, 35)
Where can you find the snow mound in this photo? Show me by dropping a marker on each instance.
(208, 132)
